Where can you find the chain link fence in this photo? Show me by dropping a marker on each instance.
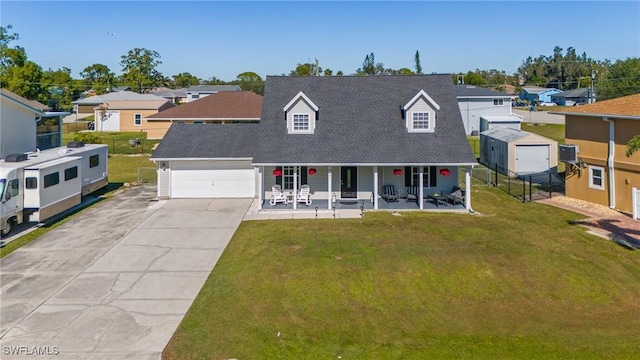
(525, 188)
(147, 175)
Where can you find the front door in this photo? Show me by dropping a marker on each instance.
(349, 182)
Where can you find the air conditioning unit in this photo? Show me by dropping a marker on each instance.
(569, 153)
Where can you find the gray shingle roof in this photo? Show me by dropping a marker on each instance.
(190, 141)
(213, 88)
(575, 93)
(360, 122)
(471, 91)
(116, 96)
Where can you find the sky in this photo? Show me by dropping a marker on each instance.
(223, 39)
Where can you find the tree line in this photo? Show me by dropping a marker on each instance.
(139, 71)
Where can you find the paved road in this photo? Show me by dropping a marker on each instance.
(540, 117)
(116, 280)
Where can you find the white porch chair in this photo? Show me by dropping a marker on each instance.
(304, 196)
(277, 196)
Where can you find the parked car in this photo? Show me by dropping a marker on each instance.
(548, 104)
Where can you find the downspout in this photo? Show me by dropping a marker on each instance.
(610, 159)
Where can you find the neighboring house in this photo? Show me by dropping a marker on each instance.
(537, 94)
(18, 122)
(477, 102)
(176, 96)
(222, 108)
(199, 91)
(600, 172)
(572, 97)
(347, 137)
(120, 88)
(27, 125)
(123, 110)
(515, 152)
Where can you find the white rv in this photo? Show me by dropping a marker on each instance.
(45, 183)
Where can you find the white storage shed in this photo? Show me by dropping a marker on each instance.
(515, 152)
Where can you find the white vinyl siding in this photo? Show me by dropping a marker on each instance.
(596, 177)
(420, 117)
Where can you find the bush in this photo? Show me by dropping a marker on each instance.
(87, 138)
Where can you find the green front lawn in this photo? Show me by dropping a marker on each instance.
(516, 282)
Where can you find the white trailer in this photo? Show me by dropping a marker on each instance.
(45, 183)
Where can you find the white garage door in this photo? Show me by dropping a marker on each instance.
(532, 159)
(206, 179)
(111, 122)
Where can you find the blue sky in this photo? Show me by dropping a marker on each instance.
(223, 39)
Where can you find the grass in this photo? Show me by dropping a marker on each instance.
(122, 169)
(516, 282)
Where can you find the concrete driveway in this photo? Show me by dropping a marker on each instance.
(116, 280)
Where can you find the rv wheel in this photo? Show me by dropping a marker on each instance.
(8, 226)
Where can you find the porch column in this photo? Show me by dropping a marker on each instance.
(421, 187)
(295, 187)
(260, 184)
(467, 188)
(375, 187)
(329, 175)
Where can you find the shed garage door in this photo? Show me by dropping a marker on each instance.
(207, 179)
(532, 159)
(111, 122)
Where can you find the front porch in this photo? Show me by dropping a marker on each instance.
(353, 187)
(355, 204)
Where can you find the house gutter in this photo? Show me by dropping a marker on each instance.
(610, 160)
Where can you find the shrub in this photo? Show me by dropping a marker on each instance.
(87, 138)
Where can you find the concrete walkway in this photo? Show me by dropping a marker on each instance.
(116, 280)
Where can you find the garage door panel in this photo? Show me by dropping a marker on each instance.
(532, 158)
(211, 182)
(112, 121)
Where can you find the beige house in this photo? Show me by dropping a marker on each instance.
(601, 172)
(123, 110)
(227, 107)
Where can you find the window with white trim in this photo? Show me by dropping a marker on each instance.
(498, 102)
(137, 119)
(301, 122)
(420, 121)
(596, 177)
(287, 178)
(415, 176)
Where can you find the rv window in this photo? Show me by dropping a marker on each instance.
(94, 160)
(51, 179)
(13, 188)
(70, 173)
(31, 183)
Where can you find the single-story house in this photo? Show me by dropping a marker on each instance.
(476, 102)
(598, 169)
(199, 91)
(123, 110)
(351, 139)
(226, 107)
(176, 96)
(572, 97)
(537, 94)
(515, 152)
(18, 123)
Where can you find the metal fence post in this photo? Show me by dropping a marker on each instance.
(530, 188)
(496, 170)
(550, 188)
(524, 190)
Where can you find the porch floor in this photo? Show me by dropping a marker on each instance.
(355, 204)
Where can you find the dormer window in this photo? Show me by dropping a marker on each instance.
(420, 120)
(420, 113)
(301, 122)
(301, 115)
